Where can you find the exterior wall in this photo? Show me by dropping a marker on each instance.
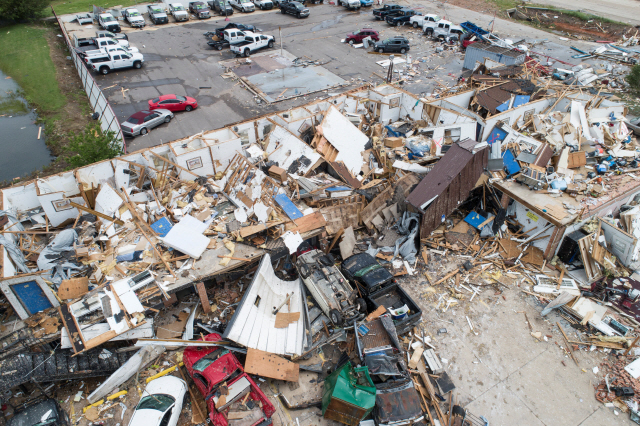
(478, 54)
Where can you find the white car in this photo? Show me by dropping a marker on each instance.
(161, 403)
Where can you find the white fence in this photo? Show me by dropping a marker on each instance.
(99, 103)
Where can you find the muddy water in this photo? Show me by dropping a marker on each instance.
(20, 150)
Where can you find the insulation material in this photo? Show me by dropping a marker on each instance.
(253, 324)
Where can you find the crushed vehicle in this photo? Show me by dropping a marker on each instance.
(199, 9)
(84, 18)
(349, 394)
(382, 12)
(392, 45)
(380, 288)
(121, 36)
(335, 296)
(161, 403)
(229, 37)
(178, 12)
(351, 4)
(251, 43)
(244, 6)
(157, 14)
(263, 4)
(142, 121)
(294, 8)
(420, 20)
(113, 61)
(109, 23)
(133, 17)
(357, 37)
(221, 7)
(402, 17)
(40, 412)
(223, 383)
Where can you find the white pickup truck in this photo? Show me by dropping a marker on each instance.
(116, 60)
(90, 54)
(251, 43)
(109, 23)
(106, 42)
(178, 12)
(419, 20)
(243, 5)
(133, 17)
(265, 4)
(351, 4)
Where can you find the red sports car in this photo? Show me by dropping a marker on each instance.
(173, 103)
(210, 367)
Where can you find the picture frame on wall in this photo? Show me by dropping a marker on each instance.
(194, 163)
(61, 205)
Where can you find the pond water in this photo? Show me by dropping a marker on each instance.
(21, 152)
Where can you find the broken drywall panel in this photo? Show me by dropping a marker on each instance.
(186, 237)
(64, 182)
(345, 138)
(20, 198)
(261, 211)
(96, 330)
(137, 362)
(58, 208)
(292, 241)
(291, 153)
(253, 324)
(348, 243)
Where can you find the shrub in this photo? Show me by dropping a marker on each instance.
(633, 78)
(23, 10)
(91, 146)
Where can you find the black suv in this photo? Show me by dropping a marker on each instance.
(294, 8)
(40, 412)
(390, 45)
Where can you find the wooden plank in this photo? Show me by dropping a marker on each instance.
(73, 288)
(95, 213)
(202, 292)
(335, 240)
(283, 319)
(568, 344)
(415, 358)
(307, 223)
(266, 364)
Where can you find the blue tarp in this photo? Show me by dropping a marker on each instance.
(510, 162)
(287, 205)
(474, 219)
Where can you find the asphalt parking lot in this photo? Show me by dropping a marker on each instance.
(178, 60)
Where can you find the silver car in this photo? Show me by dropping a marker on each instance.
(142, 121)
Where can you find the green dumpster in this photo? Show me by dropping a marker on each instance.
(349, 395)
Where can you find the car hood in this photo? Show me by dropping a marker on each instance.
(180, 12)
(168, 385)
(160, 14)
(146, 417)
(136, 18)
(396, 402)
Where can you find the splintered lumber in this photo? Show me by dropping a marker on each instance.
(446, 277)
(568, 344)
(95, 213)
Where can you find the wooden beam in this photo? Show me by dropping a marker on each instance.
(202, 292)
(335, 240)
(174, 164)
(95, 213)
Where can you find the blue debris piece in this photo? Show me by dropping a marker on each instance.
(497, 134)
(287, 205)
(510, 162)
(474, 219)
(162, 227)
(338, 188)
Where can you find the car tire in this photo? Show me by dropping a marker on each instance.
(298, 16)
(415, 25)
(381, 50)
(167, 119)
(336, 317)
(270, 43)
(402, 51)
(360, 305)
(304, 271)
(144, 131)
(246, 53)
(104, 70)
(137, 65)
(282, 11)
(428, 32)
(351, 42)
(398, 23)
(219, 47)
(188, 108)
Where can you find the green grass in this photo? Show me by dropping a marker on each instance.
(12, 107)
(588, 17)
(25, 58)
(77, 6)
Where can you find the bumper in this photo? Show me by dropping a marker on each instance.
(204, 15)
(130, 134)
(181, 17)
(248, 9)
(304, 15)
(138, 25)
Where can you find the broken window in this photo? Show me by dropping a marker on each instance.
(452, 135)
(244, 137)
(266, 129)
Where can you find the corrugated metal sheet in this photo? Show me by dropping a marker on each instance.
(448, 184)
(253, 324)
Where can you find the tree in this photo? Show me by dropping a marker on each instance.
(91, 146)
(23, 10)
(633, 78)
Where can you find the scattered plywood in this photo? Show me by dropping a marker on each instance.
(283, 319)
(508, 248)
(174, 329)
(534, 256)
(73, 288)
(307, 223)
(266, 364)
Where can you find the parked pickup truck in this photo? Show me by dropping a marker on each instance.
(88, 55)
(114, 61)
(447, 31)
(106, 42)
(243, 5)
(157, 14)
(199, 9)
(121, 36)
(221, 7)
(382, 12)
(109, 23)
(84, 18)
(351, 4)
(178, 12)
(133, 17)
(237, 26)
(263, 4)
(228, 38)
(251, 43)
(401, 18)
(421, 20)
